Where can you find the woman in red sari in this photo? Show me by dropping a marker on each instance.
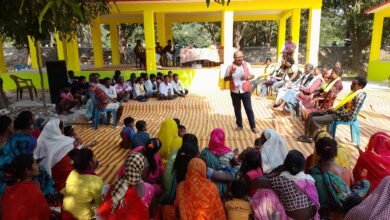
(374, 164)
(22, 198)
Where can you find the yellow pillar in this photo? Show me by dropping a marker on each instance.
(222, 30)
(97, 45)
(160, 19)
(72, 51)
(168, 32)
(3, 67)
(313, 36)
(376, 39)
(295, 28)
(33, 53)
(61, 47)
(150, 40)
(114, 44)
(281, 37)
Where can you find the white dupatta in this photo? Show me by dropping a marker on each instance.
(273, 151)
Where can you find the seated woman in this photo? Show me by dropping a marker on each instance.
(197, 197)
(296, 190)
(276, 77)
(334, 183)
(53, 147)
(139, 90)
(218, 158)
(251, 167)
(374, 164)
(169, 137)
(22, 142)
(125, 198)
(83, 188)
(268, 74)
(375, 206)
(22, 198)
(175, 163)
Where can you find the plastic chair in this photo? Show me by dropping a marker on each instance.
(99, 108)
(24, 84)
(354, 125)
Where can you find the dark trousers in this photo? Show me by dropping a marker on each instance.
(246, 100)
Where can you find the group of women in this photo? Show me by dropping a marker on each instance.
(172, 178)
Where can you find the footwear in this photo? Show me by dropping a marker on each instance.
(238, 128)
(305, 139)
(254, 130)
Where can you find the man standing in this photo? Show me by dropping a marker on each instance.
(139, 51)
(169, 51)
(239, 74)
(289, 48)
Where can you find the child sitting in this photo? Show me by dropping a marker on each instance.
(238, 208)
(141, 138)
(127, 132)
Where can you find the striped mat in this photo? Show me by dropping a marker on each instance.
(204, 111)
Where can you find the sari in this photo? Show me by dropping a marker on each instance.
(169, 137)
(169, 180)
(22, 143)
(375, 206)
(197, 197)
(374, 163)
(53, 147)
(273, 151)
(266, 205)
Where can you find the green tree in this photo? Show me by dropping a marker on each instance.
(39, 18)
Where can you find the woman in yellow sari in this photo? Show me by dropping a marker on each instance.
(169, 137)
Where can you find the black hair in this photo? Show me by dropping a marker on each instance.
(338, 71)
(93, 75)
(5, 122)
(190, 138)
(182, 127)
(151, 148)
(268, 59)
(16, 170)
(177, 122)
(144, 75)
(258, 141)
(362, 81)
(294, 162)
(117, 73)
(183, 157)
(239, 189)
(133, 75)
(24, 120)
(82, 77)
(105, 79)
(140, 125)
(251, 161)
(290, 60)
(166, 77)
(128, 120)
(81, 158)
(139, 79)
(175, 75)
(71, 74)
(326, 148)
(68, 130)
(152, 75)
(159, 74)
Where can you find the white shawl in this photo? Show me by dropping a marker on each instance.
(52, 145)
(273, 151)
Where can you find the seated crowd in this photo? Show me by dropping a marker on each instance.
(52, 175)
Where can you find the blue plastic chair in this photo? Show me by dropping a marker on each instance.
(354, 125)
(98, 109)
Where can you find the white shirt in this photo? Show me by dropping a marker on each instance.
(164, 88)
(137, 89)
(178, 86)
(111, 92)
(236, 77)
(148, 85)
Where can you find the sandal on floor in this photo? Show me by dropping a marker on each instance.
(305, 139)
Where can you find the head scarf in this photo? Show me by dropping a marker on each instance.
(134, 167)
(52, 145)
(217, 142)
(169, 137)
(273, 151)
(195, 193)
(374, 163)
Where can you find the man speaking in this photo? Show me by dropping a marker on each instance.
(239, 74)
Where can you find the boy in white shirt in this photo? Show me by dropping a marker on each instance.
(150, 84)
(178, 86)
(166, 90)
(139, 90)
(109, 89)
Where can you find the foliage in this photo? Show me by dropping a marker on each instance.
(195, 34)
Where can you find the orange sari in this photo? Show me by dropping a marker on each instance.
(197, 197)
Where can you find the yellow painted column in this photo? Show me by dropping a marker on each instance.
(3, 67)
(33, 53)
(97, 45)
(114, 44)
(72, 51)
(168, 32)
(313, 36)
(281, 37)
(376, 39)
(295, 28)
(150, 41)
(222, 30)
(228, 37)
(61, 47)
(160, 19)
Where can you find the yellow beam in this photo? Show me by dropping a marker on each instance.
(270, 17)
(201, 6)
(97, 44)
(285, 14)
(223, 30)
(281, 37)
(61, 48)
(295, 29)
(160, 17)
(216, 18)
(72, 51)
(376, 39)
(3, 67)
(114, 44)
(33, 53)
(149, 40)
(121, 20)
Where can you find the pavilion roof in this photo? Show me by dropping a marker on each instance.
(378, 8)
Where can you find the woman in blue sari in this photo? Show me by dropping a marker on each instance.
(19, 143)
